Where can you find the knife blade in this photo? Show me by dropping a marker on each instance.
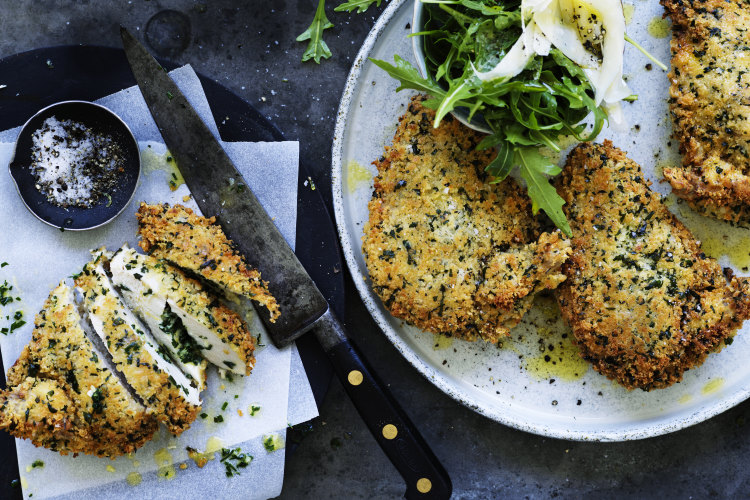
(213, 181)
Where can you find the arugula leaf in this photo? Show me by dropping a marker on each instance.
(455, 95)
(317, 48)
(409, 77)
(360, 5)
(503, 163)
(534, 168)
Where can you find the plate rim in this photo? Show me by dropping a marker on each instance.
(437, 378)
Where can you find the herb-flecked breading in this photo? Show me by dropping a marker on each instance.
(61, 394)
(710, 105)
(161, 385)
(644, 302)
(447, 250)
(199, 245)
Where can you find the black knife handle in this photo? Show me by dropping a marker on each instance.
(424, 474)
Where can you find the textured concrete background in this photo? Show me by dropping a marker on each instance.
(249, 47)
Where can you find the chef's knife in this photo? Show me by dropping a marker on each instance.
(216, 186)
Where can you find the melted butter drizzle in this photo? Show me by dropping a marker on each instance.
(558, 357)
(357, 176)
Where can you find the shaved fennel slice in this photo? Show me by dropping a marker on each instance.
(531, 42)
(574, 27)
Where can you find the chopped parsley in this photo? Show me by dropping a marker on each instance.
(188, 349)
(273, 442)
(234, 460)
(7, 298)
(97, 400)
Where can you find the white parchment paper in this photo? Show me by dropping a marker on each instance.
(40, 256)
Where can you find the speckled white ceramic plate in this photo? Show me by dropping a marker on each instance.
(514, 384)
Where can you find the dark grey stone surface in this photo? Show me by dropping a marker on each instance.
(249, 47)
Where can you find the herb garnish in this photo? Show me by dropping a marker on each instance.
(241, 460)
(97, 400)
(273, 442)
(188, 350)
(317, 48)
(6, 298)
(360, 5)
(18, 321)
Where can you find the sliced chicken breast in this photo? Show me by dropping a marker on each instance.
(199, 245)
(146, 367)
(62, 395)
(161, 290)
(136, 285)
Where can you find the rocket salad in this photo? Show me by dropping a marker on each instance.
(531, 70)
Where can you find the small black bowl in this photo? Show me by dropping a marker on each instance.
(100, 120)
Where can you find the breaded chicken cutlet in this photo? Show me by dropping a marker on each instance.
(446, 250)
(644, 303)
(710, 105)
(199, 245)
(61, 394)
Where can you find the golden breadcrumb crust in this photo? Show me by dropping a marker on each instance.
(199, 245)
(190, 295)
(446, 250)
(645, 304)
(710, 105)
(156, 388)
(63, 397)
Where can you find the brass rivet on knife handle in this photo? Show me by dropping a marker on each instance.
(355, 377)
(390, 431)
(424, 485)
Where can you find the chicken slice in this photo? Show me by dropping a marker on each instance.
(158, 290)
(62, 395)
(199, 245)
(135, 286)
(154, 378)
